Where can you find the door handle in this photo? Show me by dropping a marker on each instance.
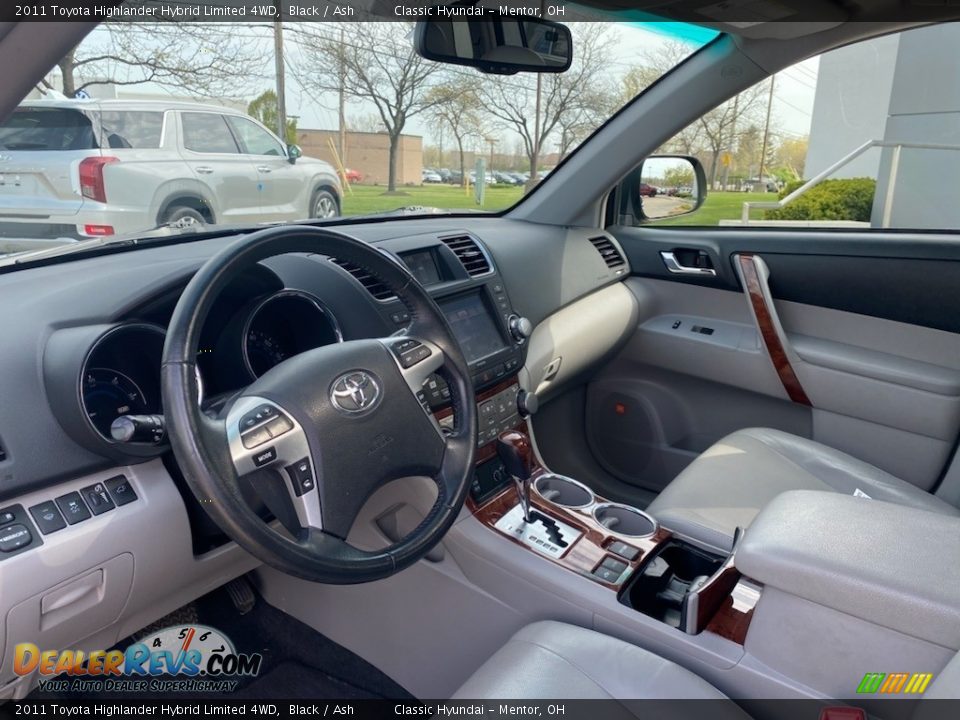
(263, 169)
(673, 265)
(204, 169)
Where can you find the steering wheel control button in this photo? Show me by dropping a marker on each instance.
(279, 425)
(414, 356)
(120, 490)
(301, 476)
(47, 517)
(14, 537)
(256, 437)
(265, 457)
(73, 508)
(627, 552)
(98, 499)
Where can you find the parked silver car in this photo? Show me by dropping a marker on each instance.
(85, 168)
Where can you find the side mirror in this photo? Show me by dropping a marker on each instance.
(663, 186)
(293, 153)
(502, 47)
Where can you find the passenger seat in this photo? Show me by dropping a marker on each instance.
(731, 481)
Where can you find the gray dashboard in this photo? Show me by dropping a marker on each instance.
(543, 269)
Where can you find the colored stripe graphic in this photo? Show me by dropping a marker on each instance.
(894, 683)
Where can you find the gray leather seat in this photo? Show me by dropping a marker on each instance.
(551, 661)
(732, 480)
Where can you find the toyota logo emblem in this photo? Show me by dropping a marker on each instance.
(355, 392)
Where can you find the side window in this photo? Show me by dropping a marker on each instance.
(207, 133)
(254, 140)
(131, 129)
(847, 139)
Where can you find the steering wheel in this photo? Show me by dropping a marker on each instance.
(320, 432)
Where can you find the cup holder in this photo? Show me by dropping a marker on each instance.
(563, 491)
(624, 520)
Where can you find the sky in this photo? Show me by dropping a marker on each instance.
(791, 112)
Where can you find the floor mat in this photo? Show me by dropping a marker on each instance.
(298, 662)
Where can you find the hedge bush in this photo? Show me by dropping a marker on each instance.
(830, 200)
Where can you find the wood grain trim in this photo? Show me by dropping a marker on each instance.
(732, 620)
(713, 594)
(764, 316)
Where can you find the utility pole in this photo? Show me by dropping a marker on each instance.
(733, 137)
(343, 106)
(766, 132)
(278, 60)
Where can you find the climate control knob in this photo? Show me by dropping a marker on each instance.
(520, 328)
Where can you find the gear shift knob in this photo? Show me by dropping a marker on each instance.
(516, 454)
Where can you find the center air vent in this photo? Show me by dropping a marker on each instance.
(373, 284)
(608, 251)
(470, 254)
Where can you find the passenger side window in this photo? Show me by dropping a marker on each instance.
(254, 140)
(130, 129)
(207, 133)
(847, 139)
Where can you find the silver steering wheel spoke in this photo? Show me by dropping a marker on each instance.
(417, 359)
(262, 435)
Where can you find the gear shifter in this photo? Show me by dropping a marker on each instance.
(516, 454)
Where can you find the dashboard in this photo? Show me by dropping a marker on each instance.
(89, 347)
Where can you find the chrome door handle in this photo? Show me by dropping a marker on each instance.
(674, 266)
(263, 169)
(204, 169)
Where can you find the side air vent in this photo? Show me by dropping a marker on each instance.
(374, 285)
(470, 254)
(608, 251)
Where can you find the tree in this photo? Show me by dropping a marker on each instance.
(456, 106)
(377, 65)
(264, 108)
(200, 59)
(791, 155)
(562, 95)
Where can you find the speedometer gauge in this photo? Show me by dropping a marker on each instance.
(108, 394)
(264, 351)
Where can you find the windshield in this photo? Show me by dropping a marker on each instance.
(157, 127)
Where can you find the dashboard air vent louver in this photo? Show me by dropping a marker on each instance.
(374, 285)
(608, 251)
(470, 254)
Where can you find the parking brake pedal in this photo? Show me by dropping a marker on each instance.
(241, 593)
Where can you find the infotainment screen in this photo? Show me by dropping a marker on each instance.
(472, 325)
(423, 266)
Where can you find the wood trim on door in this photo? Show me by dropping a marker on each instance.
(768, 331)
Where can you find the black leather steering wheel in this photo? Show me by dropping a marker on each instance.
(320, 432)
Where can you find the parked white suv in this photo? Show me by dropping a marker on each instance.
(84, 168)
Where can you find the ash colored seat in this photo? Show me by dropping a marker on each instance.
(731, 481)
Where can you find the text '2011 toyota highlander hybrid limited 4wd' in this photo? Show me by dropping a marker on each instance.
(622, 365)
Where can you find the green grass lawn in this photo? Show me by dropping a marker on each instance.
(721, 206)
(371, 199)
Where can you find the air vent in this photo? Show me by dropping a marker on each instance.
(608, 251)
(3, 453)
(470, 254)
(374, 285)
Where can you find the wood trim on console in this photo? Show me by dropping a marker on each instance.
(733, 618)
(764, 316)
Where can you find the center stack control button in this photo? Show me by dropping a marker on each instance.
(121, 490)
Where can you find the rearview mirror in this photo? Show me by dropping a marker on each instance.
(664, 186)
(503, 47)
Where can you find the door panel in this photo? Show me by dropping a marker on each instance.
(866, 323)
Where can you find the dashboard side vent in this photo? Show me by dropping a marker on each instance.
(374, 285)
(470, 254)
(608, 251)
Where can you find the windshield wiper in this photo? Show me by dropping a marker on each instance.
(134, 238)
